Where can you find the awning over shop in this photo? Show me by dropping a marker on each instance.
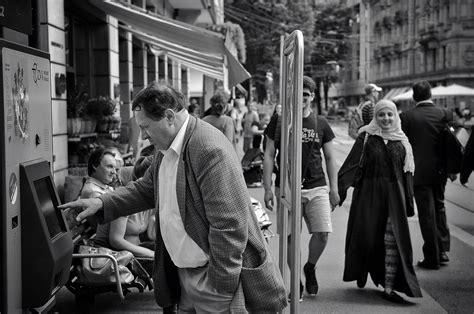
(395, 92)
(242, 90)
(193, 46)
(453, 90)
(212, 66)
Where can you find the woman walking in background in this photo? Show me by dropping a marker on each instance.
(218, 119)
(380, 166)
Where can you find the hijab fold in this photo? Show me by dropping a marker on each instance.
(395, 133)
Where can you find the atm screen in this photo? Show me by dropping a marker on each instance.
(51, 213)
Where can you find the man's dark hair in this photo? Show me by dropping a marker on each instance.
(96, 157)
(421, 91)
(156, 98)
(309, 83)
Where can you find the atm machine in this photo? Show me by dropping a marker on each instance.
(35, 244)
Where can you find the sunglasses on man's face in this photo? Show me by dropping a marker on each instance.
(306, 95)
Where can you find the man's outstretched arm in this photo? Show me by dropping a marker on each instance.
(268, 164)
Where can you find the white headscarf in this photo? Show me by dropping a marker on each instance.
(394, 134)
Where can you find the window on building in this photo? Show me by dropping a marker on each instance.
(34, 38)
(407, 65)
(465, 10)
(69, 38)
(443, 56)
(430, 60)
(79, 63)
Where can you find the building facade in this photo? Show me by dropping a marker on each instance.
(404, 41)
(115, 48)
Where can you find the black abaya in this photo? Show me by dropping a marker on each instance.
(382, 189)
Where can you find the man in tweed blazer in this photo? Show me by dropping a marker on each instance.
(219, 261)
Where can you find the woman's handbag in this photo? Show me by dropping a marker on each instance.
(360, 169)
(100, 270)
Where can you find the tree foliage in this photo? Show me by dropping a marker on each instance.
(331, 33)
(263, 22)
(236, 34)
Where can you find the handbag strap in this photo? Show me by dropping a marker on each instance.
(361, 160)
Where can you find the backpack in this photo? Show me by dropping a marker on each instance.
(356, 121)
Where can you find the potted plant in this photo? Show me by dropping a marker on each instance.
(102, 109)
(75, 110)
(124, 139)
(91, 115)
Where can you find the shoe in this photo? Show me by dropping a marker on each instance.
(424, 264)
(443, 257)
(140, 284)
(311, 282)
(301, 293)
(393, 297)
(362, 281)
(172, 309)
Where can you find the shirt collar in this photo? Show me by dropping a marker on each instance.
(428, 101)
(99, 183)
(178, 141)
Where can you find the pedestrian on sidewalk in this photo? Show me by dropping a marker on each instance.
(365, 110)
(371, 97)
(210, 255)
(317, 198)
(248, 120)
(424, 125)
(218, 119)
(467, 165)
(380, 166)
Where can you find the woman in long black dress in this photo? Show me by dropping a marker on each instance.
(380, 167)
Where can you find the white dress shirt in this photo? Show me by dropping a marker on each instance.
(184, 252)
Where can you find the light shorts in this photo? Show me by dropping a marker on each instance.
(315, 208)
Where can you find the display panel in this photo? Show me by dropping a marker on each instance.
(49, 207)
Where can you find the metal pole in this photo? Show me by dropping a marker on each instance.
(297, 123)
(282, 211)
(290, 152)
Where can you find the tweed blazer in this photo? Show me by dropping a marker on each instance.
(216, 211)
(423, 125)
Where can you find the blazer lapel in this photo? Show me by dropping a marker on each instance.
(181, 175)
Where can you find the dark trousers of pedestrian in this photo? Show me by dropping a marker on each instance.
(433, 223)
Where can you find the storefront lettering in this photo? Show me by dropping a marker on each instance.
(39, 75)
(2, 10)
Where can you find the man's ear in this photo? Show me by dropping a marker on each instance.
(170, 115)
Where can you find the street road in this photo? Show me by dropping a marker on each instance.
(448, 290)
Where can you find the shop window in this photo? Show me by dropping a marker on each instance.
(444, 57)
(68, 33)
(78, 55)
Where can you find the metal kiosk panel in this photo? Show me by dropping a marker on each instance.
(25, 135)
(44, 238)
